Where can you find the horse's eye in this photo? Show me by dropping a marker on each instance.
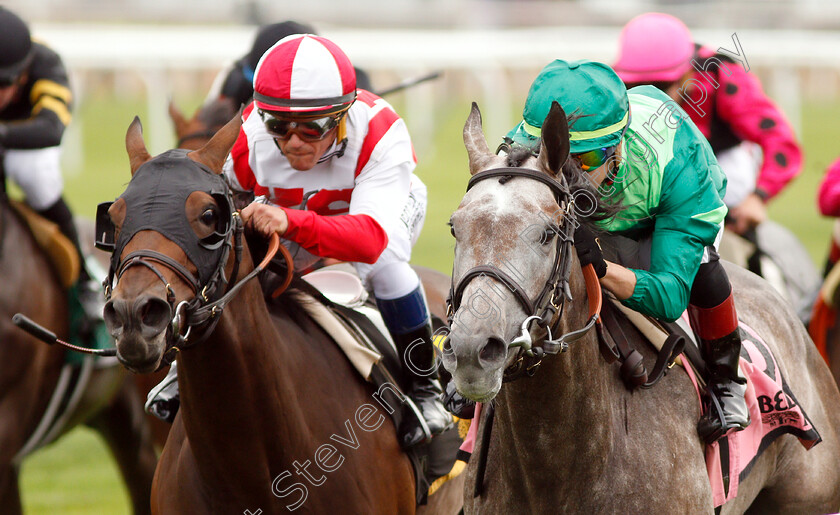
(209, 217)
(547, 235)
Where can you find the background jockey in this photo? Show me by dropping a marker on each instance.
(35, 101)
(828, 200)
(236, 82)
(754, 144)
(336, 165)
(682, 221)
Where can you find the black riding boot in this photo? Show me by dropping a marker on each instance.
(727, 410)
(458, 405)
(424, 388)
(91, 296)
(164, 399)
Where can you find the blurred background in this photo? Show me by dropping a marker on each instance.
(130, 57)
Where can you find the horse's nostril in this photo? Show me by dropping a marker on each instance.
(114, 316)
(494, 350)
(153, 313)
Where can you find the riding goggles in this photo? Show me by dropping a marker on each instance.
(309, 130)
(595, 158)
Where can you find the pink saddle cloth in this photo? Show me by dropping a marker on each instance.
(774, 411)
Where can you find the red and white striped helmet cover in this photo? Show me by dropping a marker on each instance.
(305, 74)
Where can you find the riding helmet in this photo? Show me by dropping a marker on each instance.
(654, 47)
(306, 75)
(15, 46)
(592, 95)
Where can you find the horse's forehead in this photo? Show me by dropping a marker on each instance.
(520, 200)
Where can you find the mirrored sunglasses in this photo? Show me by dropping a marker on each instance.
(309, 130)
(595, 158)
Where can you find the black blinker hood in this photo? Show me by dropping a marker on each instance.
(156, 200)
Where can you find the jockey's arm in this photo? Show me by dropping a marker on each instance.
(44, 129)
(51, 98)
(829, 193)
(619, 280)
(743, 105)
(361, 235)
(687, 220)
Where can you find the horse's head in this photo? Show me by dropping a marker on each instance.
(170, 232)
(512, 231)
(194, 132)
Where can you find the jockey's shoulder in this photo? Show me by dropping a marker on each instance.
(47, 64)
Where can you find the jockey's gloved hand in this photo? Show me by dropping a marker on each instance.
(589, 250)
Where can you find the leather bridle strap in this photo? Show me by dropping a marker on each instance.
(140, 257)
(556, 187)
(492, 271)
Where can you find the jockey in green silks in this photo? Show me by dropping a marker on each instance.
(641, 145)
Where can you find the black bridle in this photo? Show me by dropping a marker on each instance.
(546, 308)
(149, 208)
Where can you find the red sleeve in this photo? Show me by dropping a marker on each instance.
(355, 238)
(828, 197)
(753, 117)
(240, 155)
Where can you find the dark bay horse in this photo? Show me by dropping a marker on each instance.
(573, 439)
(30, 372)
(272, 413)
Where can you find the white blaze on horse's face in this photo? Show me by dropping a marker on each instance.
(506, 226)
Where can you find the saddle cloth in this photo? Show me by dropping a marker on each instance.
(773, 409)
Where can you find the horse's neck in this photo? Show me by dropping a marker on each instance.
(238, 383)
(567, 409)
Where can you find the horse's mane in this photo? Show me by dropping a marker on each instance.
(578, 181)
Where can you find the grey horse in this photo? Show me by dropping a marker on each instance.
(573, 439)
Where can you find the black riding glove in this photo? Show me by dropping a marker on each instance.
(589, 250)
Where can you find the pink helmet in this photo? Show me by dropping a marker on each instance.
(305, 74)
(654, 47)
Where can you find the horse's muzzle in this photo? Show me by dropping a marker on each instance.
(138, 326)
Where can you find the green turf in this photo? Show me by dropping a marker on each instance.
(77, 475)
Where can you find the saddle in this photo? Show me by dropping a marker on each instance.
(338, 302)
(59, 250)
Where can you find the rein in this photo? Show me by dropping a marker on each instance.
(547, 308)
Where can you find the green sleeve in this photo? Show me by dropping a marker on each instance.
(687, 220)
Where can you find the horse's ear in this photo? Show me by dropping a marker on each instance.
(477, 149)
(214, 153)
(554, 147)
(177, 117)
(135, 146)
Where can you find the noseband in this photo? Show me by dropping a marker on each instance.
(547, 308)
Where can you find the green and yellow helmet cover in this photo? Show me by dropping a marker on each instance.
(589, 91)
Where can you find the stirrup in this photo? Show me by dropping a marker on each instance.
(413, 419)
(712, 426)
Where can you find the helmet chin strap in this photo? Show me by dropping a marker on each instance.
(338, 152)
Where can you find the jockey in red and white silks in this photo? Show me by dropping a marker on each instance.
(336, 165)
(368, 175)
